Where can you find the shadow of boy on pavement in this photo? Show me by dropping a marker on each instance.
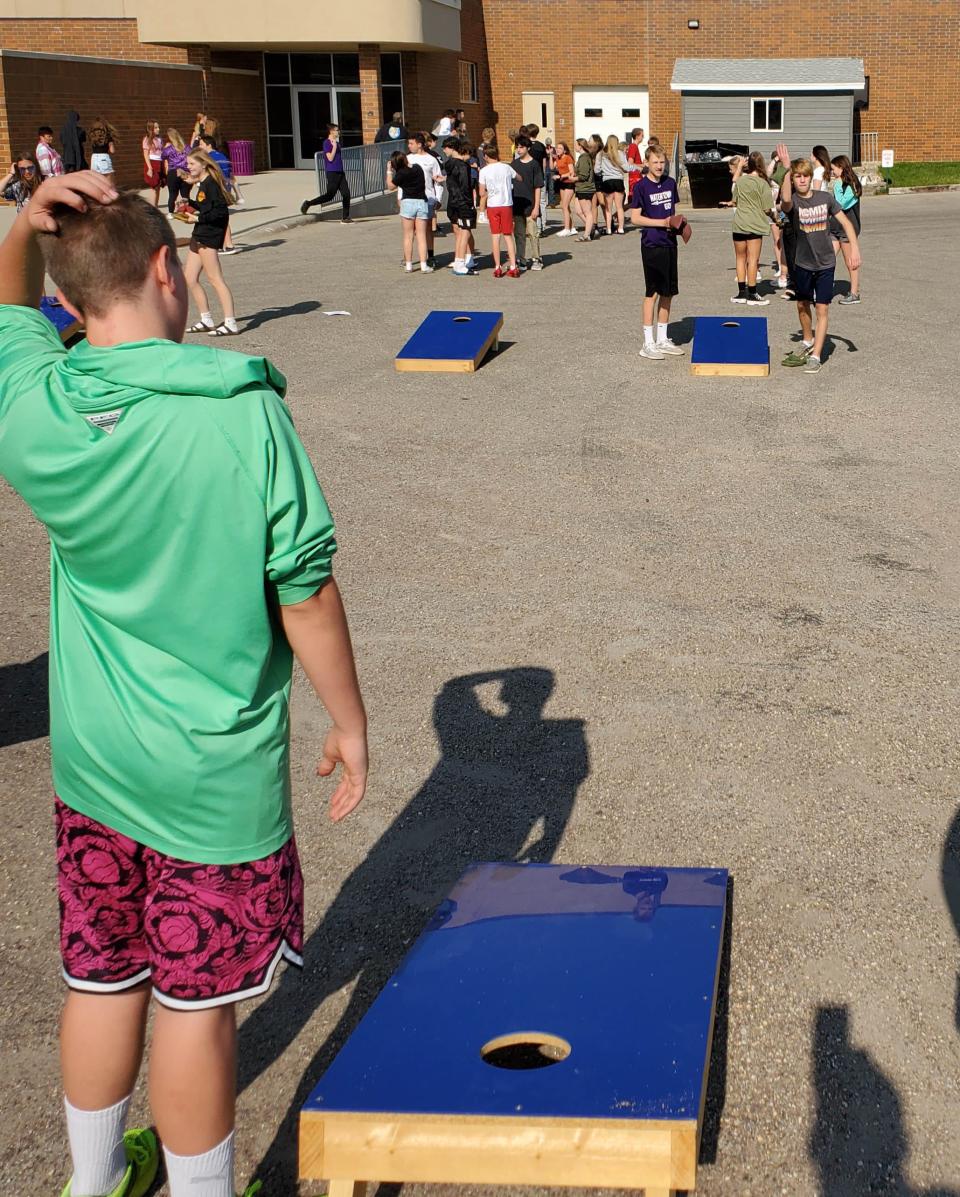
(500, 780)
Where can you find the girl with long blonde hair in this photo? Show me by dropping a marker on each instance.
(613, 168)
(212, 215)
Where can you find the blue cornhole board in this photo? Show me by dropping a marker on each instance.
(730, 345)
(605, 978)
(65, 324)
(451, 341)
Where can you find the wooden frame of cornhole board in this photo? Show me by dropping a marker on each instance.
(552, 1026)
(451, 342)
(730, 345)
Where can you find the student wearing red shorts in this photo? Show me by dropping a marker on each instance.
(191, 551)
(496, 198)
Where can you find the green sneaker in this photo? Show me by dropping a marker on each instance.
(143, 1159)
(254, 1188)
(797, 357)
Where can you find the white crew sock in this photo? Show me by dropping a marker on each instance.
(648, 334)
(96, 1145)
(458, 264)
(230, 322)
(207, 1175)
(661, 332)
(207, 318)
(808, 344)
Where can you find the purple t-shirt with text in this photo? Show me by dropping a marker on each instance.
(336, 162)
(656, 199)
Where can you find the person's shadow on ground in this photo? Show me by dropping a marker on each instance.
(859, 1142)
(24, 701)
(503, 790)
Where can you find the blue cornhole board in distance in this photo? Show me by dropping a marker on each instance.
(618, 964)
(65, 324)
(730, 345)
(451, 341)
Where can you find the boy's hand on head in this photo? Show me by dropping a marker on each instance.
(77, 190)
(350, 751)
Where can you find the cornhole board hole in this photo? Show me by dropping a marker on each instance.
(66, 325)
(733, 345)
(454, 342)
(551, 1026)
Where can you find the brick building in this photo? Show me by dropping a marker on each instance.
(573, 57)
(273, 73)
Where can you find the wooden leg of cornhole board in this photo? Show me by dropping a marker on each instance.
(351, 1188)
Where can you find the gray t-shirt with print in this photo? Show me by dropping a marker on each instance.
(811, 219)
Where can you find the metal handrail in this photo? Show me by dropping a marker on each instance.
(365, 167)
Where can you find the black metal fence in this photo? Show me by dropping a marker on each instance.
(365, 167)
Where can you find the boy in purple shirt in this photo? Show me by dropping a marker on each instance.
(652, 202)
(336, 177)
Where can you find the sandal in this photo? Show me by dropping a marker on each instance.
(222, 330)
(582, 238)
(200, 326)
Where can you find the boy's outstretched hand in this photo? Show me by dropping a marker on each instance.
(349, 751)
(75, 190)
(783, 153)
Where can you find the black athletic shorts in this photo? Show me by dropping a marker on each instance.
(463, 218)
(207, 236)
(611, 186)
(660, 270)
(747, 236)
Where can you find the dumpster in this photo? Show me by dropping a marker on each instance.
(240, 154)
(709, 175)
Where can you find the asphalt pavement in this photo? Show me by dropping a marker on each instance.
(604, 612)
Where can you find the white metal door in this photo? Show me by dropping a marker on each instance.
(606, 110)
(538, 110)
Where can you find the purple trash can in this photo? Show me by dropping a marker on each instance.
(240, 154)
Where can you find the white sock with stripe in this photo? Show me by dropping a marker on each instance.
(206, 1175)
(96, 1146)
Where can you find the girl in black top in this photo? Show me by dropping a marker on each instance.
(212, 212)
(414, 211)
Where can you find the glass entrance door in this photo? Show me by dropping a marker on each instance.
(314, 108)
(312, 112)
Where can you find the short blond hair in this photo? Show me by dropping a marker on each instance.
(801, 166)
(654, 151)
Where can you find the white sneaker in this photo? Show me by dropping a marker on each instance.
(408, 267)
(426, 268)
(652, 352)
(759, 275)
(781, 284)
(482, 218)
(667, 346)
(470, 262)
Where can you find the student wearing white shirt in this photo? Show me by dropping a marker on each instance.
(496, 197)
(417, 156)
(821, 168)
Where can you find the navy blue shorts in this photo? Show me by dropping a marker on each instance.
(815, 286)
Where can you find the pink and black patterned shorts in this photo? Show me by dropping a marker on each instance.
(205, 935)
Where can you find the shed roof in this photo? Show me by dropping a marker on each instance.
(764, 74)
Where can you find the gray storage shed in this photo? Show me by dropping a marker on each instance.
(761, 101)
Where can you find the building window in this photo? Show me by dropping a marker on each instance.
(767, 116)
(593, 112)
(632, 112)
(469, 83)
(391, 85)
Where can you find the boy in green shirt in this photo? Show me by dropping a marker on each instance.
(190, 560)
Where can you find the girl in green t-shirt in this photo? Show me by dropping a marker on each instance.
(751, 221)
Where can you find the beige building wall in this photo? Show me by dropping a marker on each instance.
(283, 24)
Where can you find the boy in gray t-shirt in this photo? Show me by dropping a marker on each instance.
(810, 212)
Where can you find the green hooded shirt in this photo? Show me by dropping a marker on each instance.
(182, 509)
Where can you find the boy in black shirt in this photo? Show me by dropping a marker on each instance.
(460, 207)
(538, 152)
(527, 188)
